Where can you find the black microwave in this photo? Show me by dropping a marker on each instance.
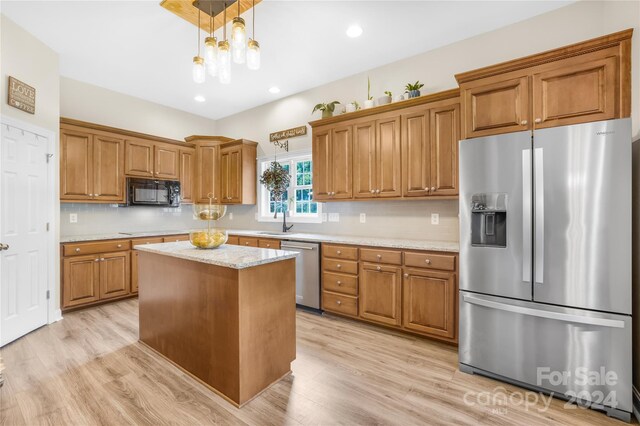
(152, 192)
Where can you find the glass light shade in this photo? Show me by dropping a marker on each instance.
(211, 55)
(207, 211)
(238, 40)
(198, 69)
(253, 55)
(224, 62)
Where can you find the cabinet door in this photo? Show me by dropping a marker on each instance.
(341, 170)
(416, 154)
(187, 174)
(231, 175)
(445, 134)
(388, 157)
(108, 169)
(576, 92)
(208, 173)
(364, 161)
(167, 162)
(493, 107)
(429, 302)
(81, 280)
(76, 168)
(380, 293)
(134, 271)
(321, 156)
(114, 274)
(138, 158)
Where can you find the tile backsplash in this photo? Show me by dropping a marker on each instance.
(393, 219)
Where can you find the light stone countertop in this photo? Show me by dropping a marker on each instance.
(399, 243)
(228, 256)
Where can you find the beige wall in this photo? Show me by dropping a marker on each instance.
(94, 104)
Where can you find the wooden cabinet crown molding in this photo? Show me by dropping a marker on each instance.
(70, 123)
(587, 46)
(195, 139)
(394, 106)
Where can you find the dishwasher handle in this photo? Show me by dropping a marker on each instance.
(288, 246)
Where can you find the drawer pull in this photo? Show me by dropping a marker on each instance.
(338, 266)
(102, 259)
(119, 245)
(78, 250)
(338, 302)
(339, 283)
(97, 260)
(379, 256)
(428, 261)
(406, 275)
(246, 244)
(339, 252)
(268, 245)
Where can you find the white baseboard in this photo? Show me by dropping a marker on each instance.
(636, 403)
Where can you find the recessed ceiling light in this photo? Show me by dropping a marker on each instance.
(354, 31)
(199, 98)
(274, 90)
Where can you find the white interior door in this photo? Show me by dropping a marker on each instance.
(24, 209)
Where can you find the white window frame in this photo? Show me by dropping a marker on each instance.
(263, 195)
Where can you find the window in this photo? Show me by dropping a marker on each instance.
(298, 200)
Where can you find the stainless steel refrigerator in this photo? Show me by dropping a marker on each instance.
(545, 261)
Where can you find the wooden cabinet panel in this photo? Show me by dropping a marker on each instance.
(208, 173)
(445, 262)
(494, 106)
(134, 271)
(150, 240)
(340, 252)
(380, 293)
(269, 243)
(340, 283)
(248, 241)
(231, 174)
(76, 165)
(321, 155)
(81, 280)
(393, 257)
(340, 303)
(575, 92)
(93, 247)
(108, 168)
(416, 154)
(344, 266)
(114, 274)
(233, 240)
(139, 158)
(187, 175)
(175, 238)
(364, 160)
(429, 302)
(445, 134)
(387, 156)
(341, 163)
(167, 162)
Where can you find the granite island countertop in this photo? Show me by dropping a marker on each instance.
(228, 256)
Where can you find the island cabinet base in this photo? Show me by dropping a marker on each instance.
(233, 329)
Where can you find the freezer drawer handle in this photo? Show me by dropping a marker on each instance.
(544, 314)
(287, 246)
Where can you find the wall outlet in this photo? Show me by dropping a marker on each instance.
(73, 218)
(324, 217)
(334, 217)
(363, 218)
(230, 216)
(255, 216)
(435, 218)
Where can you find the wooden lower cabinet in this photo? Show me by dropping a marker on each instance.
(81, 280)
(115, 276)
(134, 271)
(380, 293)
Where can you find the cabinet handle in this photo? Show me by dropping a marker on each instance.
(433, 189)
(538, 120)
(78, 250)
(379, 256)
(338, 302)
(338, 266)
(339, 283)
(102, 259)
(268, 245)
(524, 122)
(373, 191)
(378, 268)
(97, 260)
(427, 189)
(377, 191)
(339, 252)
(428, 261)
(246, 244)
(406, 275)
(119, 245)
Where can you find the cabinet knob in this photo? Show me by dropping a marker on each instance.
(268, 245)
(433, 189)
(373, 191)
(538, 120)
(377, 191)
(428, 261)
(379, 256)
(339, 252)
(406, 275)
(246, 244)
(378, 268)
(427, 188)
(339, 283)
(119, 245)
(102, 259)
(78, 250)
(338, 266)
(524, 122)
(97, 260)
(338, 302)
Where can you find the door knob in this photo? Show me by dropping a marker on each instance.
(4, 246)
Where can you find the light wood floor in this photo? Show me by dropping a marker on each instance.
(90, 369)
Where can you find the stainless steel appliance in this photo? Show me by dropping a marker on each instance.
(307, 273)
(152, 192)
(545, 261)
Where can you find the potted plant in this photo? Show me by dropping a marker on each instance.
(369, 103)
(383, 100)
(276, 180)
(327, 109)
(353, 106)
(414, 89)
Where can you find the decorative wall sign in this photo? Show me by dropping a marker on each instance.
(22, 96)
(289, 133)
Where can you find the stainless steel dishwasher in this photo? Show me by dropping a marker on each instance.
(307, 273)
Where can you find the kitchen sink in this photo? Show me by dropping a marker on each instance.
(275, 233)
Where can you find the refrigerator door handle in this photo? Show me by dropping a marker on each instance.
(559, 316)
(526, 215)
(539, 215)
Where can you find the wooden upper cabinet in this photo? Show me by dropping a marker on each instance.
(139, 158)
(321, 155)
(416, 154)
(231, 174)
(208, 173)
(76, 165)
(332, 153)
(380, 293)
(187, 175)
(364, 160)
(445, 134)
(388, 160)
(108, 168)
(167, 162)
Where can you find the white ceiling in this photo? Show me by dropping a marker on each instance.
(141, 49)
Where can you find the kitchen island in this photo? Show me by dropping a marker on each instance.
(226, 316)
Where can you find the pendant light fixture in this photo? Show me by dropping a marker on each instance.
(238, 38)
(253, 50)
(198, 62)
(224, 53)
(211, 47)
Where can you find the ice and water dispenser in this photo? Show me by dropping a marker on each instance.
(489, 220)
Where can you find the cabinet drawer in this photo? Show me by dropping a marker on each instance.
(339, 303)
(393, 257)
(340, 252)
(272, 244)
(233, 240)
(175, 238)
(140, 241)
(445, 262)
(336, 265)
(339, 283)
(247, 241)
(76, 249)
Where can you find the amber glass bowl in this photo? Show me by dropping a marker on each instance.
(208, 239)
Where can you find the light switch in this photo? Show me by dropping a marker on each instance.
(435, 219)
(363, 218)
(230, 216)
(334, 217)
(73, 218)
